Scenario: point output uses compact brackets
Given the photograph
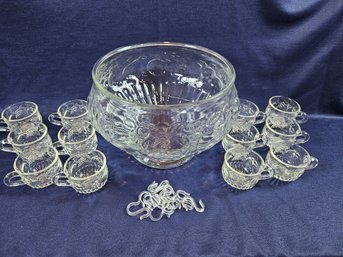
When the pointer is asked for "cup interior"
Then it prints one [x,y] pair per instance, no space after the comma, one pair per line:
[28,133]
[247,164]
[163,73]
[247,108]
[76,134]
[294,156]
[73,108]
[288,127]
[85,166]
[284,104]
[38,163]
[19,111]
[244,136]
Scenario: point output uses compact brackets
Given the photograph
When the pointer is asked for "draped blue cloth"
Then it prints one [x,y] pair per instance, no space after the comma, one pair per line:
[291,48]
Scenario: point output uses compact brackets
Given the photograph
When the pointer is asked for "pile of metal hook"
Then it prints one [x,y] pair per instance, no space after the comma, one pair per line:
[163,198]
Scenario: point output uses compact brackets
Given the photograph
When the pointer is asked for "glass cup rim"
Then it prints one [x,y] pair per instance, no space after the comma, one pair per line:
[279,110]
[244,142]
[268,120]
[227,86]
[104,160]
[78,142]
[253,104]
[240,173]
[303,166]
[21,119]
[15,166]
[73,117]
[33,142]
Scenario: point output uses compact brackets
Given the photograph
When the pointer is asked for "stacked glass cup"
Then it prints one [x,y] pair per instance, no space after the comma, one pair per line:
[85,170]
[286,160]
[243,167]
[37,162]
[283,134]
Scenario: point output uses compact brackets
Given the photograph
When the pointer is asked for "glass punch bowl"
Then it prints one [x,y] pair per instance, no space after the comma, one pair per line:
[164,102]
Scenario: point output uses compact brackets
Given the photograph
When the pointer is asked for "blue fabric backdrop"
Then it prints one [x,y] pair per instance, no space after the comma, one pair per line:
[292,48]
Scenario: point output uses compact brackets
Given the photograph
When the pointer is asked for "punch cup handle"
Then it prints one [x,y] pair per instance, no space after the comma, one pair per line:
[303,137]
[260,117]
[13,179]
[61,180]
[59,147]
[3,126]
[54,118]
[301,117]
[314,163]
[267,173]
[6,146]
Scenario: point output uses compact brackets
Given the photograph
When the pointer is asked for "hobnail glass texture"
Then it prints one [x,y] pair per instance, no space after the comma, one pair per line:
[163,103]
[290,163]
[38,173]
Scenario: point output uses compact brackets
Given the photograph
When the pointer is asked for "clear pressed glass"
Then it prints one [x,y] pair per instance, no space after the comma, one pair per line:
[17,114]
[248,115]
[291,162]
[163,102]
[38,173]
[86,173]
[30,141]
[243,171]
[248,138]
[285,134]
[281,109]
[75,140]
[70,113]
